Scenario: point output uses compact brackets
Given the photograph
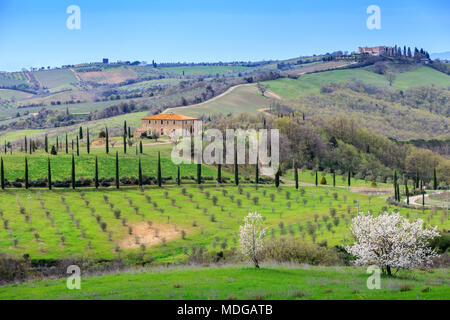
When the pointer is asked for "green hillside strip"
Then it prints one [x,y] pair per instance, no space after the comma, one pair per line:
[56,78]
[13,94]
[240,99]
[238,282]
[311,83]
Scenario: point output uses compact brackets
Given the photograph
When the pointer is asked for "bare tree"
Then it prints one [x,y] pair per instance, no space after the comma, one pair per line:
[390,77]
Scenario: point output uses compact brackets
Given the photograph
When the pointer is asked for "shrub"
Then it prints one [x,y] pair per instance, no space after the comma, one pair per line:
[293,251]
[323,181]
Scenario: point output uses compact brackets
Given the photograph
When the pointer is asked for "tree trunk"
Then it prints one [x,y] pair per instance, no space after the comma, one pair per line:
[388,270]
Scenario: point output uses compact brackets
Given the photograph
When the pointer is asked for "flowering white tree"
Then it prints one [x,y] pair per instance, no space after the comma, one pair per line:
[252,237]
[391,241]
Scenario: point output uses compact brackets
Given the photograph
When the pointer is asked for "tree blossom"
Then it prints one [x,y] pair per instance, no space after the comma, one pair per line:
[391,241]
[252,237]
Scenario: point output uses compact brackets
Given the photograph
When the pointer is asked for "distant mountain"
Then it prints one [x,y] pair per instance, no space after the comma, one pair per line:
[441,55]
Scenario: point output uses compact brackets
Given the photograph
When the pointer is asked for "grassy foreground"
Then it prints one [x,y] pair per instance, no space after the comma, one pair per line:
[239,282]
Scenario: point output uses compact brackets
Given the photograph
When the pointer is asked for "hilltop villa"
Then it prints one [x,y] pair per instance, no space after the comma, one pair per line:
[165,124]
[375,51]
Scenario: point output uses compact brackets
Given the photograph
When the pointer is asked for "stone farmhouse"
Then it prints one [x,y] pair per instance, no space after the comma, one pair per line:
[165,124]
[375,51]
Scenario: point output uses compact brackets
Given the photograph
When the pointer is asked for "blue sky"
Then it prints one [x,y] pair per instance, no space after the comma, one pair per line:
[34,33]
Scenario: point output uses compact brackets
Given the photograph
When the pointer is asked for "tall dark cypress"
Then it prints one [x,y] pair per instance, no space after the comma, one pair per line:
[159,170]
[219,173]
[88,142]
[26,145]
[317,178]
[46,143]
[199,173]
[117,171]
[49,174]
[27,184]
[349,178]
[67,144]
[57,143]
[2,174]
[277,178]
[257,173]
[73,146]
[334,178]
[6,147]
[417,180]
[296,175]
[107,140]
[96,173]
[140,173]
[81,133]
[407,192]
[435,183]
[236,169]
[125,137]
[78,146]
[74,183]
[141,147]
[179,176]
[395,186]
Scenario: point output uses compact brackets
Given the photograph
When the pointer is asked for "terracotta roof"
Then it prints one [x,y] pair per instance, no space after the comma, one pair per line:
[169,116]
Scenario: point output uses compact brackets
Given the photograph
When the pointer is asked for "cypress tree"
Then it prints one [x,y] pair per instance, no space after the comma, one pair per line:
[81,133]
[78,146]
[107,141]
[57,143]
[67,144]
[46,143]
[74,183]
[49,174]
[117,171]
[435,184]
[423,198]
[407,192]
[417,180]
[129,133]
[27,185]
[73,147]
[140,173]
[2,174]
[26,145]
[277,178]
[317,179]
[349,178]
[236,169]
[219,173]
[179,176]
[199,173]
[88,142]
[136,150]
[96,173]
[5,148]
[257,173]
[125,137]
[159,170]
[141,147]
[296,175]
[334,178]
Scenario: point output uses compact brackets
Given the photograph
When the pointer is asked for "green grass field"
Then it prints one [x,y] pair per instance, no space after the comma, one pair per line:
[52,79]
[311,83]
[85,163]
[242,99]
[239,282]
[14,94]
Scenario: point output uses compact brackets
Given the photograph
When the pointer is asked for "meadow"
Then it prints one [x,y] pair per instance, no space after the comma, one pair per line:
[56,79]
[311,83]
[242,99]
[272,282]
